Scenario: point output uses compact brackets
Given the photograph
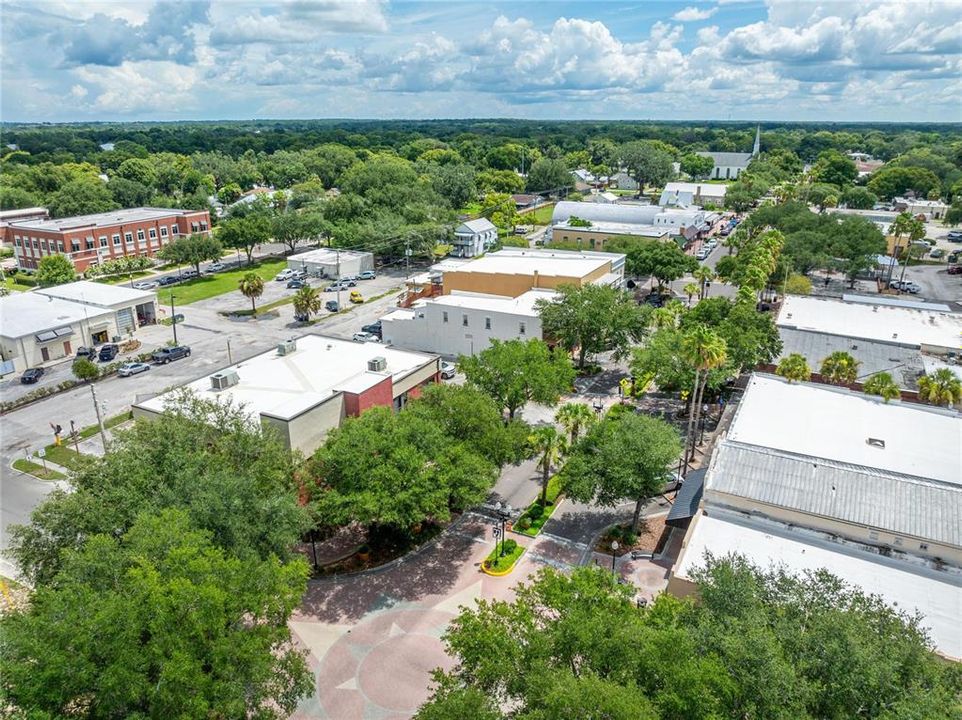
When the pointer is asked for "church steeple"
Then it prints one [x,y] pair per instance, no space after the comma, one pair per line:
[758,141]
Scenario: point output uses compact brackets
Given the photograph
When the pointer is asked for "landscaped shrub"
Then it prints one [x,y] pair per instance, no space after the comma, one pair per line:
[509,546]
[524,524]
[536,511]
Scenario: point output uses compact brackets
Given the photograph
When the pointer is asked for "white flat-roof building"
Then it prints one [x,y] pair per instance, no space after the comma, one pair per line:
[869,490]
[331,263]
[932,209]
[684,194]
[930,330]
[49,324]
[464,323]
[306,387]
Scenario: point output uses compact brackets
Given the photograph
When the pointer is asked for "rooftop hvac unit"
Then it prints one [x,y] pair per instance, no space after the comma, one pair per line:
[287,347]
[377,364]
[224,380]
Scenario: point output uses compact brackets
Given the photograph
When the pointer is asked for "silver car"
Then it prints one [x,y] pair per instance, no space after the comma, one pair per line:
[366,337]
[132,368]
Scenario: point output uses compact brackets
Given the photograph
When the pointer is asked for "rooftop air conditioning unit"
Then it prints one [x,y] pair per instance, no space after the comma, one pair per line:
[224,380]
[377,364]
[287,347]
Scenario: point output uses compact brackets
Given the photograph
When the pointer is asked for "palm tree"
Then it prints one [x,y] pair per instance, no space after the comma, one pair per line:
[574,417]
[794,368]
[904,225]
[252,286]
[942,387]
[705,350]
[690,290]
[550,444]
[883,385]
[839,368]
[306,303]
[704,275]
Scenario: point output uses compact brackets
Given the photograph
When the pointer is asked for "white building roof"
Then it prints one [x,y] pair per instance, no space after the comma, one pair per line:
[524,304]
[285,386]
[896,301]
[30,313]
[113,217]
[884,323]
[936,594]
[833,423]
[604,212]
[613,228]
[99,294]
[704,189]
[475,226]
[519,261]
[327,256]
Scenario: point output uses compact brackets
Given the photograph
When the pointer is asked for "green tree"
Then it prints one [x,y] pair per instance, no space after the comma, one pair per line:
[515,372]
[500,209]
[575,417]
[664,261]
[192,250]
[251,287]
[158,623]
[835,169]
[14,198]
[548,174]
[230,193]
[697,166]
[293,228]
[624,457]
[942,387]
[839,368]
[704,350]
[906,226]
[396,469]
[690,289]
[742,194]
[500,181]
[883,385]
[245,233]
[859,198]
[82,196]
[794,368]
[855,243]
[647,162]
[456,183]
[307,302]
[55,270]
[592,319]
[549,447]
[704,275]
[891,181]
[798,285]
[233,478]
[84,370]
[139,171]
[129,193]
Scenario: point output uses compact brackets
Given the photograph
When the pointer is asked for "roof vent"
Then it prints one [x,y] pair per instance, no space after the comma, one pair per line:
[876,442]
[287,347]
[377,364]
[223,380]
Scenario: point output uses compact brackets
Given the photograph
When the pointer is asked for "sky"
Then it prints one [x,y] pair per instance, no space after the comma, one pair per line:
[806,60]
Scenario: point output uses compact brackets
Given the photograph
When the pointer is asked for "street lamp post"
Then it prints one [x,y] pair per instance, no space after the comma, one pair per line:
[614,550]
[504,513]
[173,318]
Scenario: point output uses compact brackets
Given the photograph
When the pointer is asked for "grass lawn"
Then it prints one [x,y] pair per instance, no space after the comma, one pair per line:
[498,563]
[539,216]
[121,279]
[66,457]
[11,284]
[531,513]
[36,469]
[210,286]
[473,208]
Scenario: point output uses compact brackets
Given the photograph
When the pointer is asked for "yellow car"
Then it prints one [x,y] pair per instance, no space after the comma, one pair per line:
[356,297]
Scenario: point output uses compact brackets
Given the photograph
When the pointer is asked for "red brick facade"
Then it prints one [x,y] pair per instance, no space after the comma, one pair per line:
[94,242]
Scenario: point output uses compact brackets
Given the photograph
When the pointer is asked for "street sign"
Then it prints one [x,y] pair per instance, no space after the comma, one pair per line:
[42,452]
[178,318]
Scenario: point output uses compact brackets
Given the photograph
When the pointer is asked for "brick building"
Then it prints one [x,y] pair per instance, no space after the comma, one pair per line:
[92,239]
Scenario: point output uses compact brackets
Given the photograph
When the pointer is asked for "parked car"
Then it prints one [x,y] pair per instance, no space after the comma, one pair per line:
[374,328]
[132,368]
[165,355]
[187,274]
[347,281]
[216,267]
[655,299]
[356,297]
[367,275]
[448,370]
[340,285]
[284,275]
[703,253]
[108,352]
[146,285]
[296,284]
[954,236]
[955,270]
[954,256]
[168,280]
[87,352]
[366,337]
[31,376]
[937,253]
[911,287]
[332,306]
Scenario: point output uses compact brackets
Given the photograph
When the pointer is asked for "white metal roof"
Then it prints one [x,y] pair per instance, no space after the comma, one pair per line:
[518,261]
[475,226]
[884,323]
[524,304]
[284,386]
[112,217]
[904,302]
[908,586]
[704,189]
[604,212]
[613,228]
[327,255]
[728,159]
[833,423]
[100,294]
[29,313]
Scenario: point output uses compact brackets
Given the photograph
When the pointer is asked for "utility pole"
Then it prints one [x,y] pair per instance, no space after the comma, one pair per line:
[100,418]
[173,318]
[337,264]
[407,257]
[229,360]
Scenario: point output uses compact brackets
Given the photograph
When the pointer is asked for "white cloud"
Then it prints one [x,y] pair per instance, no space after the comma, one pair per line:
[693,14]
[153,87]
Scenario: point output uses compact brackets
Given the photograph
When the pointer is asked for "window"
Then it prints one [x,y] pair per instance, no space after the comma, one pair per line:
[487,323]
[16,241]
[75,245]
[141,236]
[60,245]
[163,231]
[36,244]
[521,328]
[89,244]
[174,230]
[103,241]
[152,233]
[194,227]
[923,546]
[444,316]
[464,320]
[117,240]
[203,226]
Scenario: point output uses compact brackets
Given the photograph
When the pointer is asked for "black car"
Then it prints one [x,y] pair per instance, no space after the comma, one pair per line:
[165,355]
[332,305]
[168,280]
[374,328]
[655,299]
[87,352]
[31,376]
[108,352]
[954,236]
[296,284]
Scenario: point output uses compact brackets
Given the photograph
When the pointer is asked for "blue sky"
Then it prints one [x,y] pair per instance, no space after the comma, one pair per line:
[818,60]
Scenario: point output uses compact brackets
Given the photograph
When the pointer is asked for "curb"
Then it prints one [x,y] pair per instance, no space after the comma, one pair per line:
[502,573]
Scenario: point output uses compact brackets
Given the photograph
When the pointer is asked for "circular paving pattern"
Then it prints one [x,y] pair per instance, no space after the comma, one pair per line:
[392,674]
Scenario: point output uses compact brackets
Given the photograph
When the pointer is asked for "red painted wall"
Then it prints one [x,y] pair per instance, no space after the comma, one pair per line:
[380,394]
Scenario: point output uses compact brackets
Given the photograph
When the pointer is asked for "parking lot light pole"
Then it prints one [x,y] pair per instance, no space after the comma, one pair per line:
[173,319]
[504,512]
[614,549]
